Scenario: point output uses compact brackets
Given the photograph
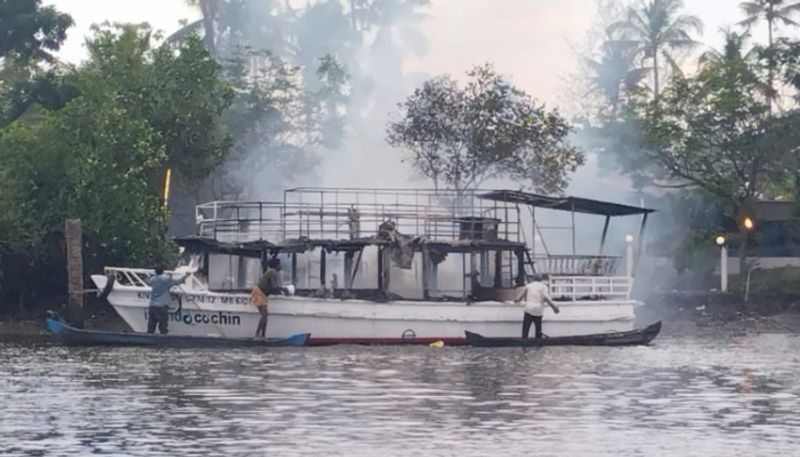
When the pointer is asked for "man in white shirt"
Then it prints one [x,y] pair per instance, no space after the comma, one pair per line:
[534,296]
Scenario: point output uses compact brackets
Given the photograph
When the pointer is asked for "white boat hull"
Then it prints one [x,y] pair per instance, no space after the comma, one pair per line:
[204,313]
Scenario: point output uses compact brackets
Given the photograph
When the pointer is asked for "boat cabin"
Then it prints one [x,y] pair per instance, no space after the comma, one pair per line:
[384,244]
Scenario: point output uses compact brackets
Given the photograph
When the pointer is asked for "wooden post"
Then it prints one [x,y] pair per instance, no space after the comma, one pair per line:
[74,239]
[322,265]
[425,272]
[520,280]
[294,269]
[380,268]
[348,268]
[498,268]
[603,237]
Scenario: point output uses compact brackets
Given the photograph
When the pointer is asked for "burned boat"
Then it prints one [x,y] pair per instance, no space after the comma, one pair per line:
[387,266]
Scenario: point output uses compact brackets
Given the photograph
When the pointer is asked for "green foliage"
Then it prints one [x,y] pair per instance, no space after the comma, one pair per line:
[696,253]
[89,160]
[177,88]
[39,90]
[772,284]
[460,137]
[331,55]
[715,131]
[276,123]
[771,11]
[658,30]
[29,34]
[29,31]
[99,154]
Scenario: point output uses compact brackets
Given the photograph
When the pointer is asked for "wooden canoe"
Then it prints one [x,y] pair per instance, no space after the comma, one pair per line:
[632,338]
[71,336]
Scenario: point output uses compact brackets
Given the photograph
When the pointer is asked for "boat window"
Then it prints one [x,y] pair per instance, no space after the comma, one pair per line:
[231,272]
[193,260]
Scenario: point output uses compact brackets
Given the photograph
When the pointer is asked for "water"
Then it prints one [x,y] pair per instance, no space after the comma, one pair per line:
[730,393]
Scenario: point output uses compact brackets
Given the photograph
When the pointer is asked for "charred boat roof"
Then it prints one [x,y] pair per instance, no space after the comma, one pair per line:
[256,247]
[576,204]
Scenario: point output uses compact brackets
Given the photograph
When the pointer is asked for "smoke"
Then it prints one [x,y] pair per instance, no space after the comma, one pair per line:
[364,159]
[372,47]
[340,142]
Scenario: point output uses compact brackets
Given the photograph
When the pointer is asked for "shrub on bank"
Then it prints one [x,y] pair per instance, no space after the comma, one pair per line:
[780,284]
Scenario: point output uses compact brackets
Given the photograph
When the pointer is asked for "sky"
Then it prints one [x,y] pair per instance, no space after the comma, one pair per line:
[530,41]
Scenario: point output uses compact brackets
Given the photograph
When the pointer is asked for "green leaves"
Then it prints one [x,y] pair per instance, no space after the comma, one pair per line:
[99,154]
[29,32]
[459,137]
[715,131]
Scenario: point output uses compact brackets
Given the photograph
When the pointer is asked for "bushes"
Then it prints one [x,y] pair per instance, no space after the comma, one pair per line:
[101,157]
[774,284]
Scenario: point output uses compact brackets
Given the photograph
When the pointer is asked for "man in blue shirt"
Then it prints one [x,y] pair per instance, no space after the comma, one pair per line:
[157,313]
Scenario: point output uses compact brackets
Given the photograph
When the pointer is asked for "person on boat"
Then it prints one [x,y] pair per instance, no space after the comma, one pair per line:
[157,313]
[534,296]
[269,284]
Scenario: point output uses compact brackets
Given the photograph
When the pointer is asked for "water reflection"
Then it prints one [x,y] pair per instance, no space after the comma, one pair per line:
[719,395]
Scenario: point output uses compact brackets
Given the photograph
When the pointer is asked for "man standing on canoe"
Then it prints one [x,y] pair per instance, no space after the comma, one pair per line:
[157,313]
[534,296]
[270,283]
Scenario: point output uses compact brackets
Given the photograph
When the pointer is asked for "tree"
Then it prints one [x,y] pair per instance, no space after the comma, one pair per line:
[715,132]
[101,156]
[733,50]
[367,39]
[276,123]
[89,160]
[615,72]
[770,11]
[658,30]
[177,88]
[29,31]
[459,137]
[29,75]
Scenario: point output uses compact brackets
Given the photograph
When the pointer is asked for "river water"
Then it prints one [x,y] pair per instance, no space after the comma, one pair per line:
[721,393]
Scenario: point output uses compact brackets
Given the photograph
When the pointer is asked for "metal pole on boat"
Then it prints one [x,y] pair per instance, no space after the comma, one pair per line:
[573,228]
[723,263]
[603,237]
[629,255]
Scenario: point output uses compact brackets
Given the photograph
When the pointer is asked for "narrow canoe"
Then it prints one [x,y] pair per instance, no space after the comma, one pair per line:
[632,338]
[72,336]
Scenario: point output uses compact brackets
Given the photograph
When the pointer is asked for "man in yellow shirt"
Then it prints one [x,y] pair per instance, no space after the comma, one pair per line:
[270,283]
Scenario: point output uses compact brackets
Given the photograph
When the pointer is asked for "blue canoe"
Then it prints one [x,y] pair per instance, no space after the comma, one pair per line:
[72,336]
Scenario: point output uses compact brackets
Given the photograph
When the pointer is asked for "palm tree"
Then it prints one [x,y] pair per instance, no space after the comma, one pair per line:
[771,11]
[657,30]
[732,50]
[210,12]
[615,72]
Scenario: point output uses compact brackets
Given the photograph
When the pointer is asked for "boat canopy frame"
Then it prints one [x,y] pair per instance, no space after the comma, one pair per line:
[573,205]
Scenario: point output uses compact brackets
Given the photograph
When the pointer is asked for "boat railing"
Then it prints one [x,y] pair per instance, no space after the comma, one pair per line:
[590,287]
[137,277]
[594,265]
[276,222]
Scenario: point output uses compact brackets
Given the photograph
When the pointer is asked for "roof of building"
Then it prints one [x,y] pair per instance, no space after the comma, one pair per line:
[576,204]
